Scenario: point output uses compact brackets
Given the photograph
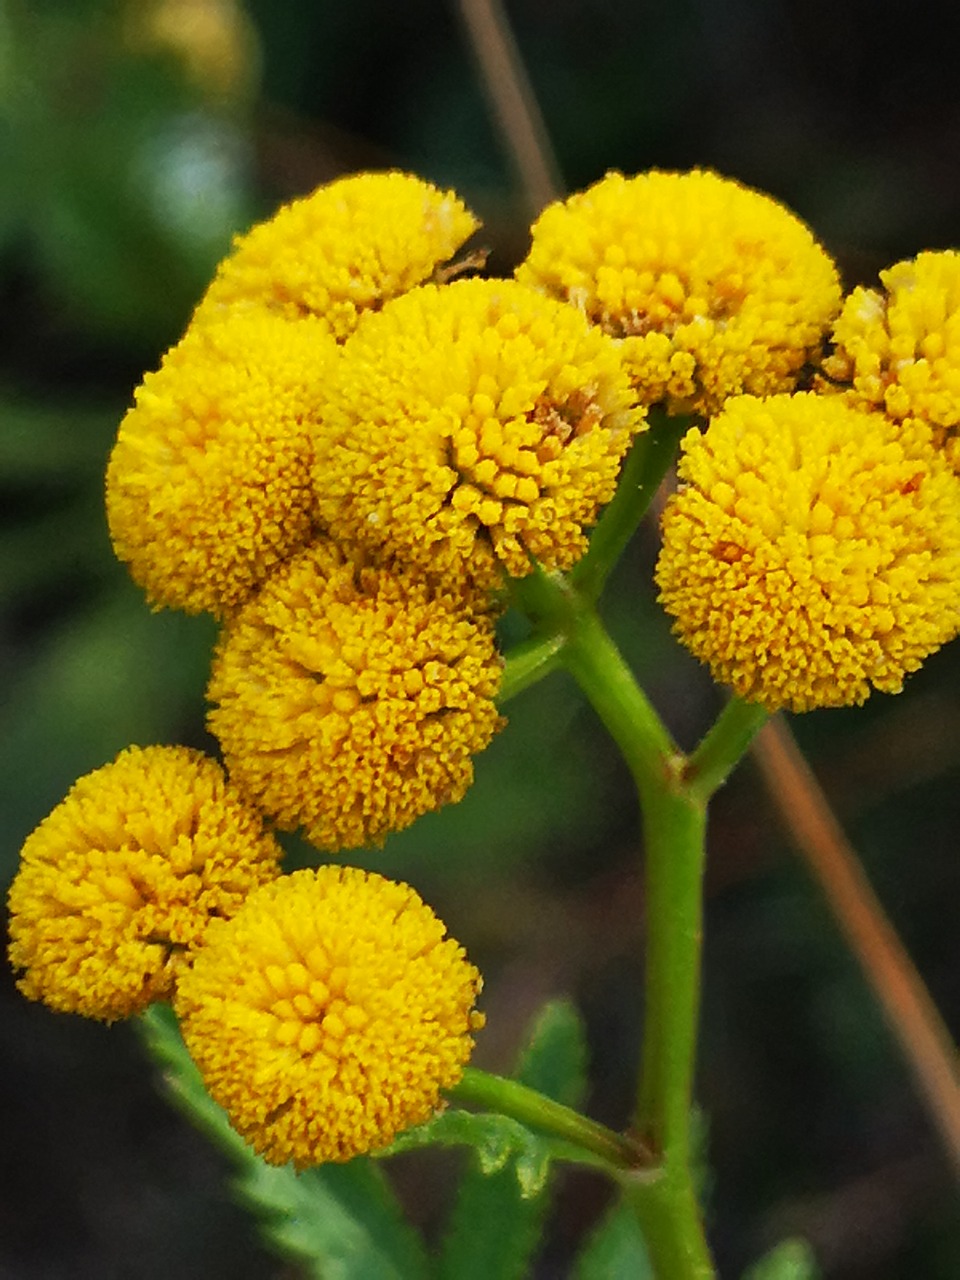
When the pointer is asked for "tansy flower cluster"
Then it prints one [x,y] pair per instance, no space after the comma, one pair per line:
[349,699]
[116,887]
[328,1014]
[813,550]
[472,428]
[714,289]
[326,1009]
[347,459]
[898,349]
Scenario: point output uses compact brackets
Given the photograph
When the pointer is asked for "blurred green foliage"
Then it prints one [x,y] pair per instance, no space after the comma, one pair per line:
[127,162]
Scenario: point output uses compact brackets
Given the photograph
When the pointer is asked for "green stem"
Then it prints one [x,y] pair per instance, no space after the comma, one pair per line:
[674,822]
[598,667]
[511,1098]
[722,747]
[528,662]
[645,467]
[674,828]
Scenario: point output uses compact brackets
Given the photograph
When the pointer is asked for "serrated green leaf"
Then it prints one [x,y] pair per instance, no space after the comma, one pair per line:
[790,1260]
[615,1250]
[555,1059]
[506,1184]
[495,1140]
[340,1222]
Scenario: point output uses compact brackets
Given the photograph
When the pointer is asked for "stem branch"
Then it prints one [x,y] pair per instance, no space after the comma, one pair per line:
[511,1098]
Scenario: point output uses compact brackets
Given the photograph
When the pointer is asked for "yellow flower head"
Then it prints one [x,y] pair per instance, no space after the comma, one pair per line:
[343,250]
[900,349]
[471,426]
[117,885]
[209,483]
[813,551]
[349,701]
[715,288]
[328,1014]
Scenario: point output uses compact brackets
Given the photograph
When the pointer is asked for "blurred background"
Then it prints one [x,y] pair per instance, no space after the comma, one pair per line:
[135,139]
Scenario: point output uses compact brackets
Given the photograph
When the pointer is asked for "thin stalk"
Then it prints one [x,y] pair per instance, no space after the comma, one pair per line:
[528,662]
[911,1013]
[709,766]
[646,465]
[598,667]
[674,823]
[511,1098]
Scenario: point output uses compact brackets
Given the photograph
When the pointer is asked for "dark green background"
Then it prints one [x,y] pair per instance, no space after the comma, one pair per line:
[121,182]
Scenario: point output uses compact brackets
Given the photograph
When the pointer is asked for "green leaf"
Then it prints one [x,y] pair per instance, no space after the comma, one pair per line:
[790,1260]
[339,1221]
[616,1250]
[495,1140]
[555,1059]
[497,1219]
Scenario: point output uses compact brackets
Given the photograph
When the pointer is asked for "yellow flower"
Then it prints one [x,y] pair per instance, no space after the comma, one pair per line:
[813,551]
[349,701]
[716,289]
[472,426]
[117,885]
[328,1014]
[900,349]
[209,483]
[343,250]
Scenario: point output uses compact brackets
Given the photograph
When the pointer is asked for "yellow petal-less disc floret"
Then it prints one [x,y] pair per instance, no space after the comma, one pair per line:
[899,349]
[813,550]
[716,289]
[328,1014]
[470,427]
[343,250]
[209,483]
[117,885]
[350,701]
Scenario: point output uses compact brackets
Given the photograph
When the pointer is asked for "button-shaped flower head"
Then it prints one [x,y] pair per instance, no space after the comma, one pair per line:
[898,349]
[117,885]
[472,426]
[209,483]
[328,1014]
[342,250]
[716,289]
[350,700]
[812,551]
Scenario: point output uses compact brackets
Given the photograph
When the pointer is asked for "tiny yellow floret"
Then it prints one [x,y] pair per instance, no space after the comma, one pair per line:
[209,482]
[350,700]
[714,288]
[343,250]
[812,551]
[117,885]
[899,349]
[471,427]
[328,1014]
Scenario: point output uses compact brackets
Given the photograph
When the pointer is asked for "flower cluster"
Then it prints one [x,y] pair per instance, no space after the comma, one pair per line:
[349,700]
[328,1014]
[326,1009]
[898,349]
[347,459]
[812,551]
[116,887]
[471,429]
[714,289]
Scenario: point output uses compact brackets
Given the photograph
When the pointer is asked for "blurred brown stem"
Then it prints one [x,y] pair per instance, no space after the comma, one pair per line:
[518,116]
[914,1018]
